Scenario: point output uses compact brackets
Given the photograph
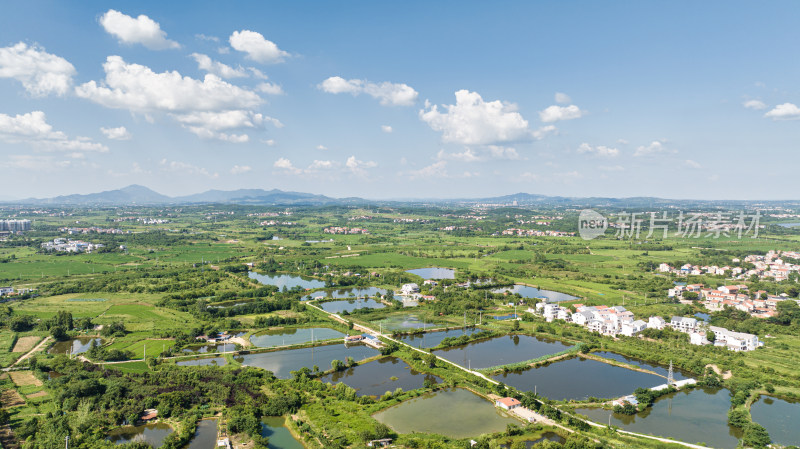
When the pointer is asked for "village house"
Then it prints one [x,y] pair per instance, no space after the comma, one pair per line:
[507,403]
[409,289]
[683,324]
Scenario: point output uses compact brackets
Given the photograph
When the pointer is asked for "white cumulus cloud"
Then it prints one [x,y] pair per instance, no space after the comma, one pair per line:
[141,30]
[786,111]
[654,147]
[119,133]
[468,155]
[256,47]
[562,98]
[186,168]
[387,129]
[389,94]
[758,105]
[358,167]
[239,169]
[205,63]
[473,121]
[286,166]
[206,107]
[270,89]
[32,129]
[500,152]
[600,150]
[555,113]
[41,73]
[692,164]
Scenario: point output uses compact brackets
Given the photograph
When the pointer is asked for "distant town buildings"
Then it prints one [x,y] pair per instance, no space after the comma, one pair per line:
[344,230]
[93,229]
[15,225]
[71,246]
[536,233]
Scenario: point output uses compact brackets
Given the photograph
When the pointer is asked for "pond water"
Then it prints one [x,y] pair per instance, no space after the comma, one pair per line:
[378,377]
[547,436]
[202,349]
[209,361]
[431,339]
[282,363]
[77,345]
[350,305]
[533,292]
[274,428]
[152,434]
[286,280]
[579,379]
[345,293]
[434,273]
[677,373]
[455,413]
[293,336]
[779,417]
[403,322]
[205,437]
[500,351]
[699,415]
[702,316]
[789,225]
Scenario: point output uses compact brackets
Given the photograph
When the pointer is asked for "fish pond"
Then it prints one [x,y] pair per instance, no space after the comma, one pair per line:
[547,436]
[208,361]
[345,293]
[286,280]
[455,413]
[282,363]
[434,273]
[698,415]
[152,434]
[378,377]
[210,347]
[432,339]
[205,437]
[293,336]
[77,345]
[350,305]
[779,417]
[578,378]
[677,373]
[274,428]
[501,351]
[533,292]
[403,322]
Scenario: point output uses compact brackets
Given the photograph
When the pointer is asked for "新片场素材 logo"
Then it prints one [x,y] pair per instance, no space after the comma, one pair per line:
[591,224]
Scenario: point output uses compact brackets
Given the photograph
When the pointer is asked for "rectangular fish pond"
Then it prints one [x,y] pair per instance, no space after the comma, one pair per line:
[455,413]
[378,377]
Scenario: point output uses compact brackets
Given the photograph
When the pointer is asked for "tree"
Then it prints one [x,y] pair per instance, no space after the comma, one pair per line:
[337,365]
[711,336]
[515,326]
[59,333]
[755,435]
[430,360]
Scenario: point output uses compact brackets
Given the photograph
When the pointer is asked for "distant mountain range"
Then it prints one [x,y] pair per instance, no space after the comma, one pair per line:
[140,195]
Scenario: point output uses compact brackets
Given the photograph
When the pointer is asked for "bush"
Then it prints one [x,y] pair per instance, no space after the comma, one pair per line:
[755,435]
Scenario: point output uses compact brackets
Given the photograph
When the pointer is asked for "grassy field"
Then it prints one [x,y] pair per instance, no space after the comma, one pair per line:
[136,343]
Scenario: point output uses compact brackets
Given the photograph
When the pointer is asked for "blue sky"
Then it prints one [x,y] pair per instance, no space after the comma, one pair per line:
[402,99]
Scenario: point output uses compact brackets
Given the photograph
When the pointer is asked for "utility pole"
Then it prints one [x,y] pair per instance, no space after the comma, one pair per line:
[67,442]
